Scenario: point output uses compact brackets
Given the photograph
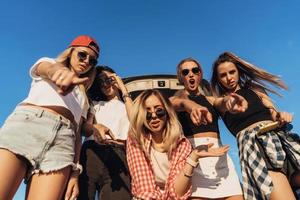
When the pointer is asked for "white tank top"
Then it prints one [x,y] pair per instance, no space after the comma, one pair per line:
[161,167]
[43,93]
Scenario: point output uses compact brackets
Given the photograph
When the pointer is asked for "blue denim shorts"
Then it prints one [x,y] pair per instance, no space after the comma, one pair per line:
[45,139]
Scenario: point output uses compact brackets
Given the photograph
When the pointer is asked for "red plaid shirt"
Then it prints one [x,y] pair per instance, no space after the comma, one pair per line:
[143,183]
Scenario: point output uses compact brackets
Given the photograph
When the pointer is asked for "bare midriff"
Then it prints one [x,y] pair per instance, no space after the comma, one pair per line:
[205,134]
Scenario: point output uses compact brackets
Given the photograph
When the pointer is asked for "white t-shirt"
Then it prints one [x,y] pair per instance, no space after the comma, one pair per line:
[43,93]
[113,115]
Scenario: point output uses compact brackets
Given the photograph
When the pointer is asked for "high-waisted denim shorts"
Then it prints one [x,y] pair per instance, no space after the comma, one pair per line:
[43,138]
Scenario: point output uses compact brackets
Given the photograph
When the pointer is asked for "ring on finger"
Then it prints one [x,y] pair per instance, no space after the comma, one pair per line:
[61,78]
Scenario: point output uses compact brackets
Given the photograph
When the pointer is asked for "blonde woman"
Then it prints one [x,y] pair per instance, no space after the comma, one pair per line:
[269,153]
[39,141]
[160,158]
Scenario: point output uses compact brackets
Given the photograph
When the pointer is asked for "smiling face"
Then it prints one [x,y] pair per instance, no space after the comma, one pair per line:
[82,59]
[190,75]
[155,108]
[228,76]
[107,84]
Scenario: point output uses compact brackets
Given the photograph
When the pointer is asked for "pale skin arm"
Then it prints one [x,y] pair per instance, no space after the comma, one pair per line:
[73,188]
[182,182]
[232,103]
[281,117]
[63,77]
[127,100]
[199,114]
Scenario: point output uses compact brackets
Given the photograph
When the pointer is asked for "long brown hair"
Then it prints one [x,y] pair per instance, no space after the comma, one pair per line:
[249,75]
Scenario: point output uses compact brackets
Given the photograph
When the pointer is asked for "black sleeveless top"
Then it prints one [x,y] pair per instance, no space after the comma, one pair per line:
[189,128]
[256,112]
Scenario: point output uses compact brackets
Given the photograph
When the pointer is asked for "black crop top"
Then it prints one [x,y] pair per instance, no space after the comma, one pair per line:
[189,128]
[256,112]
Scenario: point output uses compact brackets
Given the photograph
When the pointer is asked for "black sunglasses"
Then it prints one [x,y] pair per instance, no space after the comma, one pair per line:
[82,55]
[105,81]
[159,114]
[195,70]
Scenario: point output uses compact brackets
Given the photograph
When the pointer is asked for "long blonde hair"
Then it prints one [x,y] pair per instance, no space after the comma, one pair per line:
[249,75]
[64,57]
[139,126]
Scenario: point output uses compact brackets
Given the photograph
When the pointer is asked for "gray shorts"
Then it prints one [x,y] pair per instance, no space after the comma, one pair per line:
[43,138]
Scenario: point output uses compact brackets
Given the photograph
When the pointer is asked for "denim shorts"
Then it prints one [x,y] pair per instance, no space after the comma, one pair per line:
[46,140]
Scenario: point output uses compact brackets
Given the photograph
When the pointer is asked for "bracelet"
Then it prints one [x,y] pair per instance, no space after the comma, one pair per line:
[77,167]
[187,175]
[126,95]
[192,162]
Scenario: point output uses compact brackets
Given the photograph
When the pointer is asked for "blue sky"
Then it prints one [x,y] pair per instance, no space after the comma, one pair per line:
[149,37]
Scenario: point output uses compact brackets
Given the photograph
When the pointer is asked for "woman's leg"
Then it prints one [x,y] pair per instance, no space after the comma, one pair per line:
[116,174]
[12,171]
[48,186]
[90,179]
[281,187]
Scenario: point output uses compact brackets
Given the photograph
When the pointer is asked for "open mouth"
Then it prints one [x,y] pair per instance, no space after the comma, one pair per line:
[192,81]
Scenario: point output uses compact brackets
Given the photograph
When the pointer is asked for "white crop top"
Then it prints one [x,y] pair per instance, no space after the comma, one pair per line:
[43,93]
[113,115]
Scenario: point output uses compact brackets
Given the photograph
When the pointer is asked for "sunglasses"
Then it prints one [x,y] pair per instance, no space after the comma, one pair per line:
[105,81]
[160,113]
[195,70]
[82,55]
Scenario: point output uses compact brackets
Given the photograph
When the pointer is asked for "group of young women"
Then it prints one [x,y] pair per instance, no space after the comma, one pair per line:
[152,147]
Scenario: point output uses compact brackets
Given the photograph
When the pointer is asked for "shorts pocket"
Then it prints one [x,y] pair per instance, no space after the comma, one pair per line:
[21,116]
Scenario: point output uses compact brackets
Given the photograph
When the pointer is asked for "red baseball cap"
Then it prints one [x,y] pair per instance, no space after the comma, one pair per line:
[86,41]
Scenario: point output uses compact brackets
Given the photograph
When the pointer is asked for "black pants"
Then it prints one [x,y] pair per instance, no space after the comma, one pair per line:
[105,171]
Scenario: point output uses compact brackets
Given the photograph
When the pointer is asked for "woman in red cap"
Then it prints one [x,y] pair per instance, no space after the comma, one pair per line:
[39,141]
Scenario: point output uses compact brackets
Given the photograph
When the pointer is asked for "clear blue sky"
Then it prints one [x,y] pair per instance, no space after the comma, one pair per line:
[149,37]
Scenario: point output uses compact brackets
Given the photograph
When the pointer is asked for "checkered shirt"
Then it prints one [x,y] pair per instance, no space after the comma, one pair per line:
[257,184]
[142,177]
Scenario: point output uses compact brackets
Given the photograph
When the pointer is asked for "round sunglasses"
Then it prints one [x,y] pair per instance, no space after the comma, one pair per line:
[160,113]
[195,70]
[82,55]
[105,81]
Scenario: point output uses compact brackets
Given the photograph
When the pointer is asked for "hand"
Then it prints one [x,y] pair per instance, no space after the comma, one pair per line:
[72,188]
[65,79]
[206,150]
[102,134]
[119,83]
[235,103]
[200,115]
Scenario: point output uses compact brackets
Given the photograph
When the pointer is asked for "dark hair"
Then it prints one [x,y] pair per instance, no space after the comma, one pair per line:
[95,93]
